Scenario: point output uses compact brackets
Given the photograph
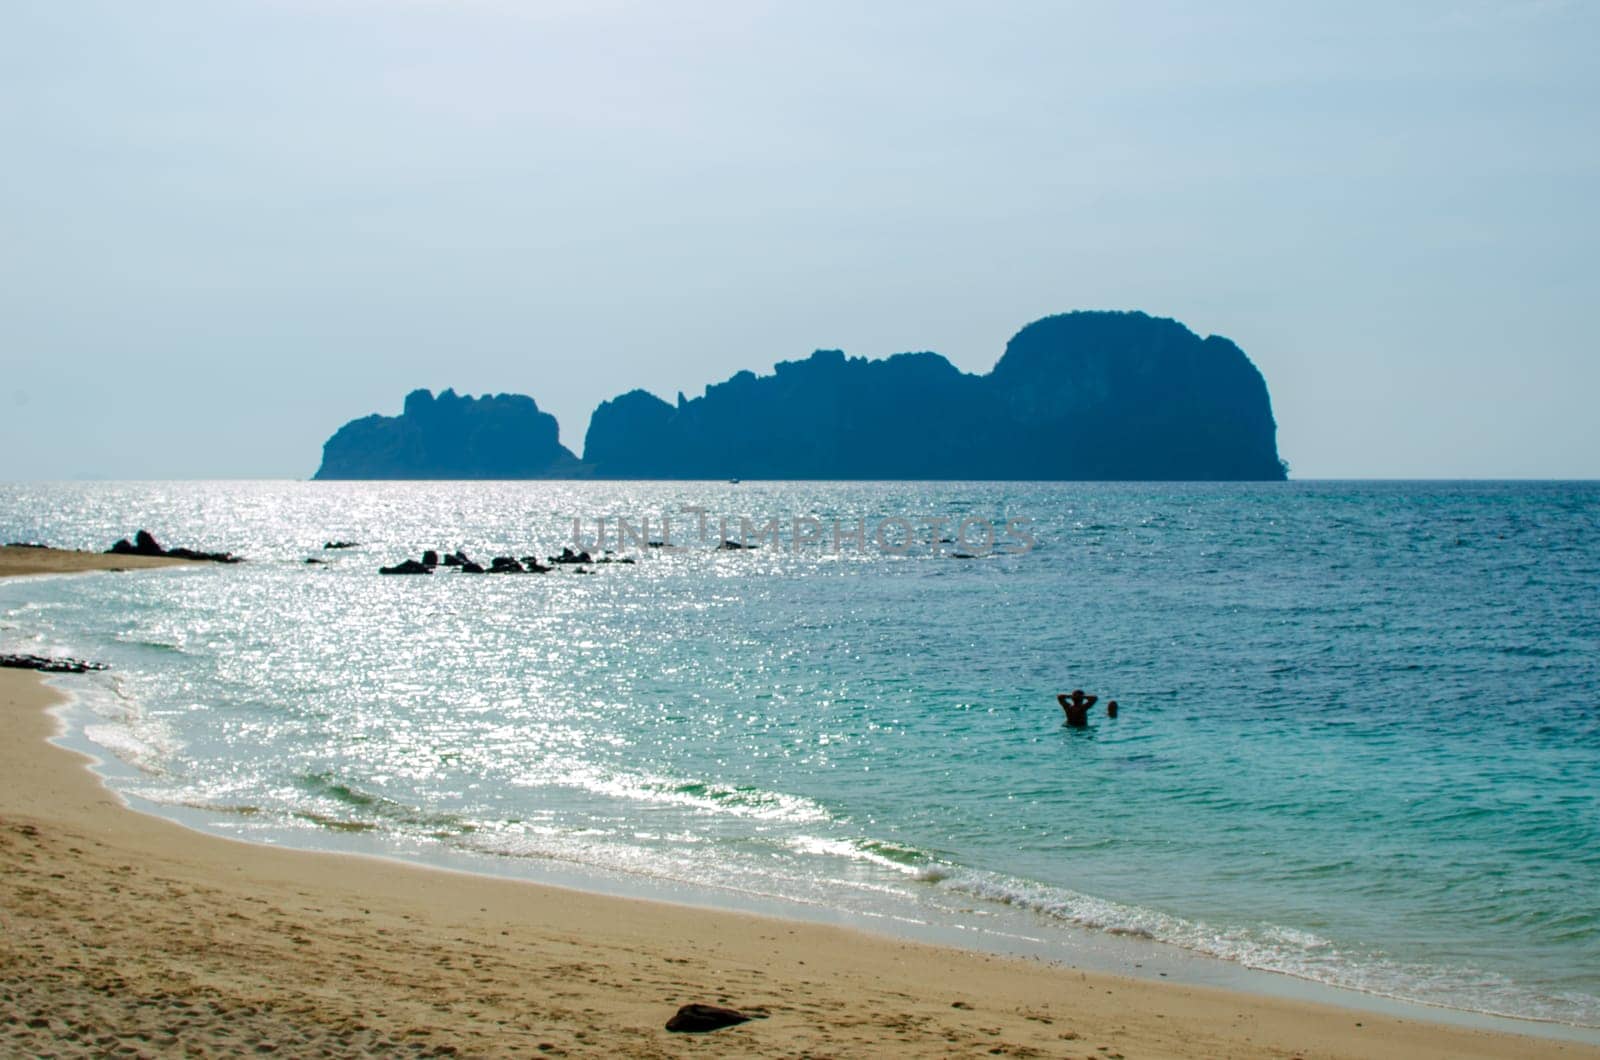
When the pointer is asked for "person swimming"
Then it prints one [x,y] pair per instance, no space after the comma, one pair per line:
[1076,707]
[1111,709]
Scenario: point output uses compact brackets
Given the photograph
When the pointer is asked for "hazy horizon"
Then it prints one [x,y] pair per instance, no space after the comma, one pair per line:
[231,229]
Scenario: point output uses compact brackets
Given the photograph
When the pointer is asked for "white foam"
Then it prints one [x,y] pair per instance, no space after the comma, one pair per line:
[707,798]
[1289,951]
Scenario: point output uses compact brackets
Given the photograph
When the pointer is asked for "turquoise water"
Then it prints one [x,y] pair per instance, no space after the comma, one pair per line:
[1359,739]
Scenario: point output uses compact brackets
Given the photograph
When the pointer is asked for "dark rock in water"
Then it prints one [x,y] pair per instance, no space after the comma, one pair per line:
[962,555]
[145,544]
[208,557]
[503,436]
[315,560]
[533,566]
[698,1019]
[569,556]
[45,664]
[505,565]
[734,546]
[453,559]
[410,566]
[340,544]
[430,558]
[468,567]
[25,544]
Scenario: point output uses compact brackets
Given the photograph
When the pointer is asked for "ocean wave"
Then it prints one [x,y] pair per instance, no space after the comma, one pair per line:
[337,824]
[741,800]
[114,721]
[163,646]
[354,809]
[1289,951]
[122,742]
[906,860]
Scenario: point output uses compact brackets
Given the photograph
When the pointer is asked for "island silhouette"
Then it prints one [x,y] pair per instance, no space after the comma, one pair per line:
[1088,395]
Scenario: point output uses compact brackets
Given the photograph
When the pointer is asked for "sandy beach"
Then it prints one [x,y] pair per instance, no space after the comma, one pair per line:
[125,934]
[18,560]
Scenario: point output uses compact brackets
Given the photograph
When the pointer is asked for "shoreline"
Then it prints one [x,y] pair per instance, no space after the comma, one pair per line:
[1097,953]
[120,924]
[145,923]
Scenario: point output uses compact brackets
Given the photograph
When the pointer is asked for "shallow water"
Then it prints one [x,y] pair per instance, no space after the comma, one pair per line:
[1359,743]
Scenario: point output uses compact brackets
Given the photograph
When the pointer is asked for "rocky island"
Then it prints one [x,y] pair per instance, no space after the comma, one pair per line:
[1078,396]
[451,436]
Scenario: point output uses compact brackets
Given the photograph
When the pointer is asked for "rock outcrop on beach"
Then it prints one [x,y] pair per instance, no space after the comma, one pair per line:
[48,664]
[1086,395]
[500,436]
[145,544]
[1089,395]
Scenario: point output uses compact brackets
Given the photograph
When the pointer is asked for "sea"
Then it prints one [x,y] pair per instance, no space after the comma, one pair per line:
[1358,742]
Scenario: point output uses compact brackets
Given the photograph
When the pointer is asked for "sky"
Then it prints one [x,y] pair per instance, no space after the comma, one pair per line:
[227,228]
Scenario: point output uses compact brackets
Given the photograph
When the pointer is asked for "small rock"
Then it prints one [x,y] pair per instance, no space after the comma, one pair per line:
[410,566]
[209,557]
[698,1019]
[569,556]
